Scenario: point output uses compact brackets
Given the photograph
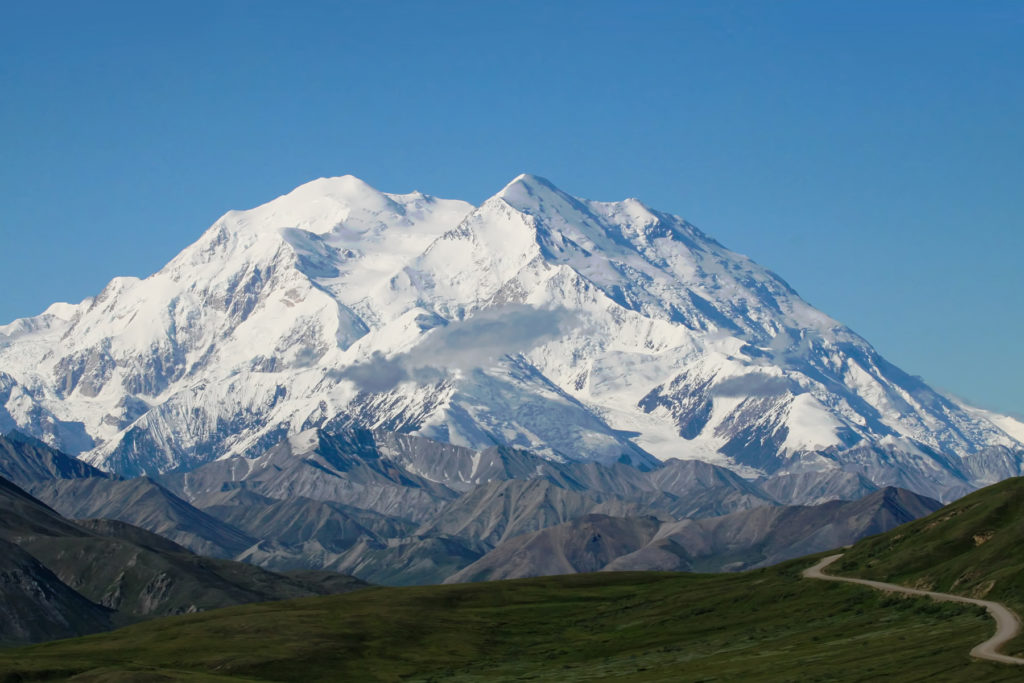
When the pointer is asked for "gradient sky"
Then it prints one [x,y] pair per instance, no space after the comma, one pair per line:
[871,153]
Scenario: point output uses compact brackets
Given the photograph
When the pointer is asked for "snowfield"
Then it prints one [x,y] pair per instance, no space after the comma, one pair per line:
[580,330]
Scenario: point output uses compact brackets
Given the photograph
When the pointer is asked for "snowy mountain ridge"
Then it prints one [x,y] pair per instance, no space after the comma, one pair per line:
[576,329]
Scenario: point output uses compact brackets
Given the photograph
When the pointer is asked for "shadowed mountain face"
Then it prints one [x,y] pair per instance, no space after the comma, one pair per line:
[80,491]
[27,460]
[741,540]
[35,605]
[59,578]
[144,503]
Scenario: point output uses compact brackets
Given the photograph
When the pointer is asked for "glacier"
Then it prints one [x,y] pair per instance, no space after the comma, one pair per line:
[575,329]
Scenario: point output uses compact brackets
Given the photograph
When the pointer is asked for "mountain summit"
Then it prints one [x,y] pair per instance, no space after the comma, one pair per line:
[580,330]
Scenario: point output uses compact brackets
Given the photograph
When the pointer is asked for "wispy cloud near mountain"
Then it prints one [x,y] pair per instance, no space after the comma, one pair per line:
[463,345]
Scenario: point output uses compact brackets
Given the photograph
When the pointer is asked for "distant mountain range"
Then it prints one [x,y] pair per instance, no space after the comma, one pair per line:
[351,502]
[579,331]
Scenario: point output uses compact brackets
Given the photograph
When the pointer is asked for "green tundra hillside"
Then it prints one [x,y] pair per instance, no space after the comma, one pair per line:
[766,625]
[970,547]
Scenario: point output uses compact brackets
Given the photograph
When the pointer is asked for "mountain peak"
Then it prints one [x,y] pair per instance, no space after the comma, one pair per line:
[324,200]
[526,186]
[344,186]
[323,206]
[676,346]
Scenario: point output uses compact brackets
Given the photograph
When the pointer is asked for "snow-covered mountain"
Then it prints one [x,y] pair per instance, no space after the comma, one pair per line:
[579,330]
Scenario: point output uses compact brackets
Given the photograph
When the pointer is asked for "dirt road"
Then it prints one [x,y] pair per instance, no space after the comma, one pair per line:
[1007,623]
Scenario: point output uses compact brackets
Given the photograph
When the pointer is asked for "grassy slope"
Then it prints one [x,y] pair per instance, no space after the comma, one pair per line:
[970,547]
[762,625]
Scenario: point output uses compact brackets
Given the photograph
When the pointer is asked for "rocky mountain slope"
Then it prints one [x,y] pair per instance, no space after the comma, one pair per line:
[741,540]
[35,605]
[59,578]
[349,502]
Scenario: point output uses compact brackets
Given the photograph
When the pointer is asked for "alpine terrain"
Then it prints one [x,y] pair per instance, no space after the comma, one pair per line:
[577,330]
[351,502]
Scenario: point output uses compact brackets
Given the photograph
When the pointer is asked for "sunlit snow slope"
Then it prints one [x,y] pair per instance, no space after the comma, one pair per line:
[577,329]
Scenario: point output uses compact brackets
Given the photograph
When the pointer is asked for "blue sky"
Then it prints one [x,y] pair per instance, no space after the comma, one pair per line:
[871,153]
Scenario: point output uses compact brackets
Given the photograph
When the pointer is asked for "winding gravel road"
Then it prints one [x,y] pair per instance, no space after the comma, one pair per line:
[1007,623]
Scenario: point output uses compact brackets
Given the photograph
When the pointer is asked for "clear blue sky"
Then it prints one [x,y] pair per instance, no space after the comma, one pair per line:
[871,153]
